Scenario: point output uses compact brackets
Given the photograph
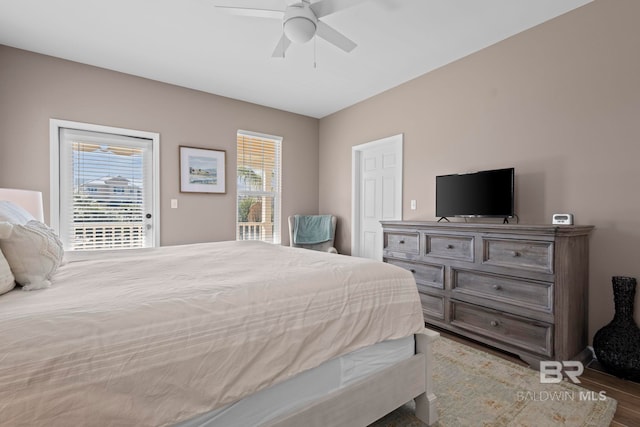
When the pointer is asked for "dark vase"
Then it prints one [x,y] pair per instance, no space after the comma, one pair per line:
[617,345]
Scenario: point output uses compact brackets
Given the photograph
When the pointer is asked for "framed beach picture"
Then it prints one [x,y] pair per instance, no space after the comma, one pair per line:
[202,170]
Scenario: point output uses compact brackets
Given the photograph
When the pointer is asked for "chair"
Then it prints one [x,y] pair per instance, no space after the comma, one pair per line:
[326,246]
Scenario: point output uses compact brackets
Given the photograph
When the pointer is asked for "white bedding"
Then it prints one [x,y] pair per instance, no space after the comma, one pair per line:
[155,337]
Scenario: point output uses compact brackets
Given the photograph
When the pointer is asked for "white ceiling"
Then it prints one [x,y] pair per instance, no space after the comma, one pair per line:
[193,44]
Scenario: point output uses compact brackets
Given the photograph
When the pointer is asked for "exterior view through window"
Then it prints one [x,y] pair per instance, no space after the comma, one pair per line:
[258,183]
[105,191]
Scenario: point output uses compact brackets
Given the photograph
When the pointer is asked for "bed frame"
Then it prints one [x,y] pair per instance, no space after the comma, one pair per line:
[373,397]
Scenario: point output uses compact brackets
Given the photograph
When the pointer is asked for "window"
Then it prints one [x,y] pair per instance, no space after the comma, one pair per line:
[104,187]
[258,183]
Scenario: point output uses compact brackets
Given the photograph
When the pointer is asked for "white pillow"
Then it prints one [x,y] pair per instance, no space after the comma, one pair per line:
[7,281]
[33,251]
[13,213]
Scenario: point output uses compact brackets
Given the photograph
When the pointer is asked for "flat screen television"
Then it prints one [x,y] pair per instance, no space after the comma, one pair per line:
[481,194]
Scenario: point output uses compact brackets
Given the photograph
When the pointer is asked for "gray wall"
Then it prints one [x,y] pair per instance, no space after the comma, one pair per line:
[35,88]
[560,103]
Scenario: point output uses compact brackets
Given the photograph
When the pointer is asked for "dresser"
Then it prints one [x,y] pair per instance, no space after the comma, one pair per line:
[519,288]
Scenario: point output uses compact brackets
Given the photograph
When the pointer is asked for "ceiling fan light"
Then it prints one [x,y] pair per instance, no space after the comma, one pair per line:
[299,29]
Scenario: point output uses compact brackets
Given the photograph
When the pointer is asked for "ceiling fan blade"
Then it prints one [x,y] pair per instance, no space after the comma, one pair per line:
[256,13]
[334,37]
[281,48]
[327,7]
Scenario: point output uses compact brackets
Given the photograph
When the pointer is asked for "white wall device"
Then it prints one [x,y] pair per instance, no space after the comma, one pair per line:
[562,219]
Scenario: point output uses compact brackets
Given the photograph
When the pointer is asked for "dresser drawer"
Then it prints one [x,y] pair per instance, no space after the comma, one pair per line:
[454,247]
[526,254]
[425,274]
[432,305]
[520,292]
[408,243]
[517,331]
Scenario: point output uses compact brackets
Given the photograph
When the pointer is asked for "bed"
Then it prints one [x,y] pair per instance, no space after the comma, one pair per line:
[204,334]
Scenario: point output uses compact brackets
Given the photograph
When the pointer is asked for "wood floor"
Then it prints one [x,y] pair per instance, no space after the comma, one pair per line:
[627,393]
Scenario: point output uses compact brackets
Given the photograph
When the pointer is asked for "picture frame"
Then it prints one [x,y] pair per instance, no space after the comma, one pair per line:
[202,170]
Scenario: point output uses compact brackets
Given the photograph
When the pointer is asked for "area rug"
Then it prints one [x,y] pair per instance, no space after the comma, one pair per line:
[475,388]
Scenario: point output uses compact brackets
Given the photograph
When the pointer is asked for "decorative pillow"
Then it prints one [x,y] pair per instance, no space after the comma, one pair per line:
[7,281]
[13,213]
[33,251]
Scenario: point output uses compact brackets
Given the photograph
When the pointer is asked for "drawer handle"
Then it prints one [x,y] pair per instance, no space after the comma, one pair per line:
[449,246]
[497,287]
[515,254]
[401,242]
[494,323]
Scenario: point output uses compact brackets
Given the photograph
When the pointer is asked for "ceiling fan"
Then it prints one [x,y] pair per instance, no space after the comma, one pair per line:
[301,21]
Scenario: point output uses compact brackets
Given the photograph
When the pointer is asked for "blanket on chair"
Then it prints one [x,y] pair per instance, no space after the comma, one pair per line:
[311,229]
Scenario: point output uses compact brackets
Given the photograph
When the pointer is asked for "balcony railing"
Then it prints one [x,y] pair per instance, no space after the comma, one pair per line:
[123,235]
[108,235]
[255,231]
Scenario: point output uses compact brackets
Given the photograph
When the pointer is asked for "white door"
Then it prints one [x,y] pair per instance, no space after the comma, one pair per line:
[104,186]
[377,193]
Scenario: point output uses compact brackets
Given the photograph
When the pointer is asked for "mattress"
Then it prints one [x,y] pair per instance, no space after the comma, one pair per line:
[154,337]
[272,402]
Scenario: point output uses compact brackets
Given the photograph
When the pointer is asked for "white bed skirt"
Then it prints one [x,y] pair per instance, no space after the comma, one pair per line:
[335,374]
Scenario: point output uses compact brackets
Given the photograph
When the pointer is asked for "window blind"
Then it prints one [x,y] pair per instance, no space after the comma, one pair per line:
[258,187]
[105,190]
